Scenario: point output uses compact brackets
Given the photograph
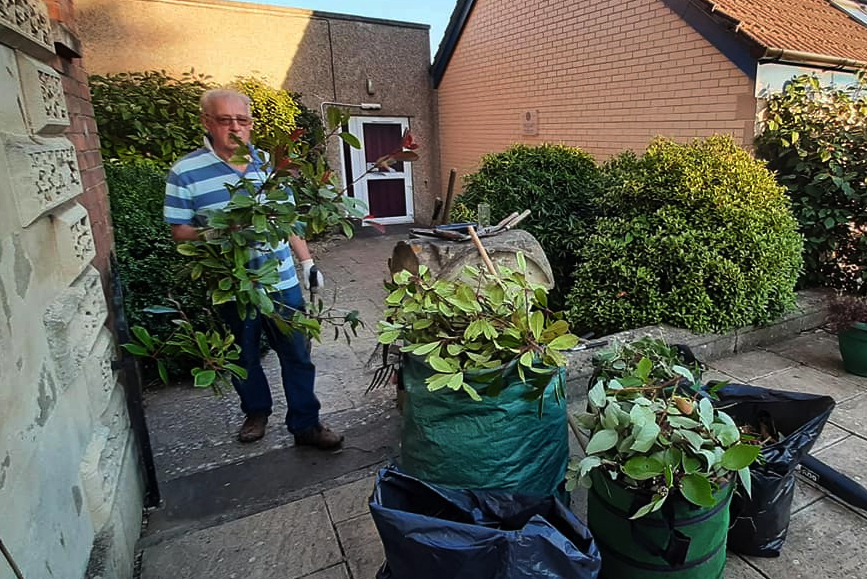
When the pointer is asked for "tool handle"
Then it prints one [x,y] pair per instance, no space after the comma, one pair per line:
[482,251]
[313,279]
[517,220]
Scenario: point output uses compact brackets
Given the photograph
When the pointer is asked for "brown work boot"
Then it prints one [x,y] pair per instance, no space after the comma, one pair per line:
[319,436]
[253,428]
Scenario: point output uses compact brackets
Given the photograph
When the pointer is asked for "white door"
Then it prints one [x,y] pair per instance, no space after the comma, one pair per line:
[388,194]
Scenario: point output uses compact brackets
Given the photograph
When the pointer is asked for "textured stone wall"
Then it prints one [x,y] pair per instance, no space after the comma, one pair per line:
[604,76]
[326,57]
[69,475]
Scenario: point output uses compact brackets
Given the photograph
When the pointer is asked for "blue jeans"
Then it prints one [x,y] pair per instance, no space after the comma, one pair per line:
[297,370]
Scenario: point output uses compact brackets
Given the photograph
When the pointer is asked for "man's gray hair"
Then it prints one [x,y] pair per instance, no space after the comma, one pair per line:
[216,94]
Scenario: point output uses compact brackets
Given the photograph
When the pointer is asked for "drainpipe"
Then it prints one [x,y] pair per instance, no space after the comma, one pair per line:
[131,381]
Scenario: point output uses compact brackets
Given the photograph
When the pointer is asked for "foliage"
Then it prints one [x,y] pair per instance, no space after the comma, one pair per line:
[845,310]
[467,329]
[557,182]
[816,140]
[148,115]
[698,236]
[621,359]
[148,260]
[260,215]
[649,430]
[274,110]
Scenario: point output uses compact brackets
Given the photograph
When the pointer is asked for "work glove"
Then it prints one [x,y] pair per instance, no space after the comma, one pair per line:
[308,266]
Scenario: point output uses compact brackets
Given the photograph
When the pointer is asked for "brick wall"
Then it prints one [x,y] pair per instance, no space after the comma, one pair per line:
[82,132]
[605,76]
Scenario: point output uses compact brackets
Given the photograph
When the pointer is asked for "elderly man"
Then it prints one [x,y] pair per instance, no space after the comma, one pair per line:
[197,183]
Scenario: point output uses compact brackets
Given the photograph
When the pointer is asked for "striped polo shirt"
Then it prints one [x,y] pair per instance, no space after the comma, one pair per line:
[196,185]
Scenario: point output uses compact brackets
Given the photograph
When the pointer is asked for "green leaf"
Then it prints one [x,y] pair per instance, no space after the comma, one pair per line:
[654,505]
[440,364]
[136,350]
[537,322]
[160,310]
[644,367]
[740,456]
[685,372]
[563,342]
[424,349]
[596,396]
[645,437]
[643,467]
[163,372]
[601,441]
[705,412]
[205,378]
[697,490]
[746,480]
[351,140]
[143,336]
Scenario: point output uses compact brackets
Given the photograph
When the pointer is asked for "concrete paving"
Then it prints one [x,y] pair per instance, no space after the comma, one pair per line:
[269,510]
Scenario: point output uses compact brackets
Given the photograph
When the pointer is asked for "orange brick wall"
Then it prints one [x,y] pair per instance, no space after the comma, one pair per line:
[605,76]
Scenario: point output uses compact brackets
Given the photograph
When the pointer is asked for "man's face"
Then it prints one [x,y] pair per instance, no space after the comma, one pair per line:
[226,117]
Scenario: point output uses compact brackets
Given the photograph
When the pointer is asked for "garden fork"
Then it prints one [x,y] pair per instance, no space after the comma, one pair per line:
[386,371]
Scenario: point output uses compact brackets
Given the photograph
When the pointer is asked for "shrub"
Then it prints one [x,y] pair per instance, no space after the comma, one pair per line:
[698,236]
[274,110]
[148,115]
[816,140]
[147,256]
[557,182]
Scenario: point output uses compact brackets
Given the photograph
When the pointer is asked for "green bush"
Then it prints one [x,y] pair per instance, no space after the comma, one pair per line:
[697,236]
[557,182]
[816,140]
[274,110]
[148,260]
[148,115]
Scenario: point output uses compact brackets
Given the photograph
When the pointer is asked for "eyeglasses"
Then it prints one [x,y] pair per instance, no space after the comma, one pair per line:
[227,121]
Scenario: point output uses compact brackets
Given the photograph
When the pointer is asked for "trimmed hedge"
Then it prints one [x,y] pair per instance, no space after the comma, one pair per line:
[698,236]
[149,263]
[557,182]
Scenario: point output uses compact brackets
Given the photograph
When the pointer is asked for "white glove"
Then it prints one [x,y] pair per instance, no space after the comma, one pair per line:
[307,265]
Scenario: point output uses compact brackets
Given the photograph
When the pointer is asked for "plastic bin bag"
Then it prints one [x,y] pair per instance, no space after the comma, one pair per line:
[430,532]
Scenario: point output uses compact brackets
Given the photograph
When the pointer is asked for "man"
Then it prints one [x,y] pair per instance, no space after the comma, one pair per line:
[196,184]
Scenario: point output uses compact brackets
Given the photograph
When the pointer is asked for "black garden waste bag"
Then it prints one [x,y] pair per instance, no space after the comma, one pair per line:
[760,522]
[430,532]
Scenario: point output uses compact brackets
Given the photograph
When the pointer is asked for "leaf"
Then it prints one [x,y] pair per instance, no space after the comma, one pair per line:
[136,350]
[652,506]
[563,342]
[596,396]
[350,140]
[690,464]
[705,412]
[644,367]
[440,364]
[643,467]
[601,441]
[205,378]
[685,372]
[160,310]
[645,438]
[537,322]
[163,372]
[740,456]
[745,476]
[693,438]
[143,336]
[424,349]
[697,490]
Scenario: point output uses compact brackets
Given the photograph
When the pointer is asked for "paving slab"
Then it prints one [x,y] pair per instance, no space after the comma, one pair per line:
[831,434]
[336,572]
[749,366]
[287,542]
[738,568]
[810,381]
[362,546]
[805,494]
[848,456]
[825,541]
[350,500]
[817,349]
[852,414]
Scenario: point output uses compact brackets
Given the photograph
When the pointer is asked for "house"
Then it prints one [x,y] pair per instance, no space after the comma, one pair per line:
[72,482]
[609,75]
[376,69]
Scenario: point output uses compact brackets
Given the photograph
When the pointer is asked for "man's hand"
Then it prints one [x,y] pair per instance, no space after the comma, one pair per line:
[307,266]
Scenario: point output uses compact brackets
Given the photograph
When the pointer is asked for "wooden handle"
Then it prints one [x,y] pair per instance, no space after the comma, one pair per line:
[482,251]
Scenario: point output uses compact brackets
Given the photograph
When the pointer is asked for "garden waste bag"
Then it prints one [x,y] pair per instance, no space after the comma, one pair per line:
[498,443]
[430,532]
[760,522]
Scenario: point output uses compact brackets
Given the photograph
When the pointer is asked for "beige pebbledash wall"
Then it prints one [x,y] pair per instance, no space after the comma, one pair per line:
[605,76]
[70,485]
[326,57]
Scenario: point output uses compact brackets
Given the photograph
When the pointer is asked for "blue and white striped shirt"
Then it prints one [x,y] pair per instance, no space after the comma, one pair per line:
[197,184]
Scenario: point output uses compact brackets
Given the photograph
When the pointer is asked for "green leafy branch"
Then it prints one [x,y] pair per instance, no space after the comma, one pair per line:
[468,329]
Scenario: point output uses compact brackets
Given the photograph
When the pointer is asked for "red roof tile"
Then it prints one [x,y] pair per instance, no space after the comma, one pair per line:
[814,26]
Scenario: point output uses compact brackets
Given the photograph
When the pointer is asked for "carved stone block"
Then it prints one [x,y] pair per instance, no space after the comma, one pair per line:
[24,24]
[44,174]
[44,101]
[103,458]
[72,324]
[99,374]
[75,246]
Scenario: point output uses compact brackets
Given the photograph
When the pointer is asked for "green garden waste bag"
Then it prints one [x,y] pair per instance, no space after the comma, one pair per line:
[500,443]
[679,541]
